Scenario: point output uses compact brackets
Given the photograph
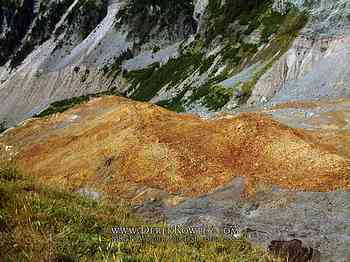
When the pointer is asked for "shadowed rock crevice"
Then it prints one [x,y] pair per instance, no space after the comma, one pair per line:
[294,251]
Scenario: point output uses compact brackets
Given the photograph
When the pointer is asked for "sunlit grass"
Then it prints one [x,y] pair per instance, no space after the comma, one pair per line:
[39,223]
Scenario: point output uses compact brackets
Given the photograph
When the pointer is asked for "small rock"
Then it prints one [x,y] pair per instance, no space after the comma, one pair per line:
[294,251]
[90,194]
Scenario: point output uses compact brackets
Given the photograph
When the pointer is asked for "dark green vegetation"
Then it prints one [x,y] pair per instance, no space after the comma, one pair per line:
[44,25]
[292,22]
[231,24]
[220,17]
[41,223]
[248,16]
[18,18]
[226,25]
[147,82]
[63,105]
[174,104]
[211,96]
[82,19]
[115,68]
[173,17]
[214,97]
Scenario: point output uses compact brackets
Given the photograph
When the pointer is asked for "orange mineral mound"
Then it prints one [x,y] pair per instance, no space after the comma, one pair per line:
[113,144]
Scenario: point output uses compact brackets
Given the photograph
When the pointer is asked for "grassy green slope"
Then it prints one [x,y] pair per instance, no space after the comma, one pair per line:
[39,223]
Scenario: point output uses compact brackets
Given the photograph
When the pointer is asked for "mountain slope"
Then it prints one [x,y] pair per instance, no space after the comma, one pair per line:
[272,181]
[201,56]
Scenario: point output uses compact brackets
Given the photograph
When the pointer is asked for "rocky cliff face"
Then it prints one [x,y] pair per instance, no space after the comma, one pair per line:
[198,56]
[68,47]
[201,56]
[316,66]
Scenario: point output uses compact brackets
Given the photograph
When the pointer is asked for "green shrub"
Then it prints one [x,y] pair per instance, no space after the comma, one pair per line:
[295,20]
[175,104]
[217,97]
[145,15]
[272,23]
[220,17]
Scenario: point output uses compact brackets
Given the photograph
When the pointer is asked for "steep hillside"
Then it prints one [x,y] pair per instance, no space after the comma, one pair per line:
[274,182]
[70,227]
[199,56]
[316,66]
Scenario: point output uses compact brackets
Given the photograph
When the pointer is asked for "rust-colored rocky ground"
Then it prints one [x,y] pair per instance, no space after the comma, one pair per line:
[113,144]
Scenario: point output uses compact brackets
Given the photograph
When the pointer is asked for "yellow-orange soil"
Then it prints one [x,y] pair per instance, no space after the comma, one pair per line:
[113,144]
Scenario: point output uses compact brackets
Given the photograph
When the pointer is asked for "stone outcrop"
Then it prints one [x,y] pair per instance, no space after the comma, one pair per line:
[294,251]
[311,69]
